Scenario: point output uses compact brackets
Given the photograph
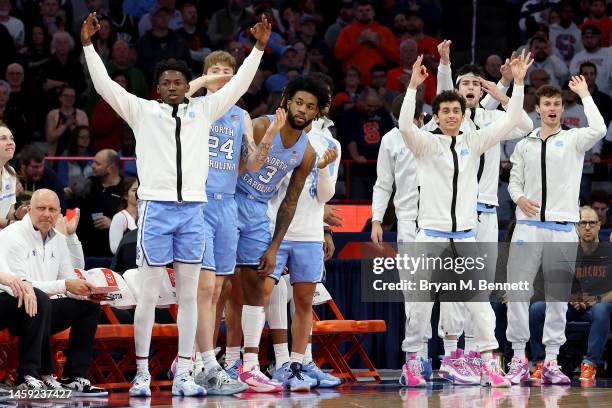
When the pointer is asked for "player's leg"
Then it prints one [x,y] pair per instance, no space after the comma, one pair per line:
[276,315]
[233,323]
[223,288]
[153,252]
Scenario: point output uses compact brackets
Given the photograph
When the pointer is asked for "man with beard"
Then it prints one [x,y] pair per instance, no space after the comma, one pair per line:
[593,52]
[303,99]
[543,58]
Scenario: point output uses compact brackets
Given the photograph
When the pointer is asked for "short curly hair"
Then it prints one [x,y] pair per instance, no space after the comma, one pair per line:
[173,65]
[308,84]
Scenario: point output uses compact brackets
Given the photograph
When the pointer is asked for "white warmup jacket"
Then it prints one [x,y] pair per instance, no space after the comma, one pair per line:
[46,264]
[447,166]
[171,141]
[549,171]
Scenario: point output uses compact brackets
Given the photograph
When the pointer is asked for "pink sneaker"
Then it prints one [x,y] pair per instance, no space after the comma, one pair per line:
[258,381]
[492,375]
[474,362]
[456,368]
[551,374]
[517,371]
[412,375]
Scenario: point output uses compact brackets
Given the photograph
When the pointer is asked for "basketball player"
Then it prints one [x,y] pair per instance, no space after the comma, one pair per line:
[231,147]
[172,144]
[471,84]
[545,185]
[302,251]
[396,165]
[447,163]
[303,98]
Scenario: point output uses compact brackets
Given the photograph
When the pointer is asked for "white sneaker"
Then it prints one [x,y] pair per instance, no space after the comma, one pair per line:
[184,386]
[141,386]
[51,383]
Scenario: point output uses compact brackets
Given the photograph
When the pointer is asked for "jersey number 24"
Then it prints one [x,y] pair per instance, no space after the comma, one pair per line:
[227,147]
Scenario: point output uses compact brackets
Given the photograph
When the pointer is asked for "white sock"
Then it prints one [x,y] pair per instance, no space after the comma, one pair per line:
[550,357]
[470,344]
[519,353]
[183,365]
[250,360]
[281,352]
[142,365]
[231,355]
[424,351]
[198,365]
[253,320]
[450,345]
[209,360]
[308,354]
[296,358]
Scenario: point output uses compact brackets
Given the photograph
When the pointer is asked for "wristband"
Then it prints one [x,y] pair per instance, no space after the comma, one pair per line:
[327,230]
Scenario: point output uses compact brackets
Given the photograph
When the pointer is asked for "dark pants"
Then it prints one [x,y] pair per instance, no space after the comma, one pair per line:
[598,315]
[82,317]
[28,329]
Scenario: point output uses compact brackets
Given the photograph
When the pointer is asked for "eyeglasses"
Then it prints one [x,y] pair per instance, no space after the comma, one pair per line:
[589,223]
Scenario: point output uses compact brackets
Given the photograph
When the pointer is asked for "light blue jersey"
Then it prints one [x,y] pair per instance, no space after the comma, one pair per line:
[225,142]
[262,184]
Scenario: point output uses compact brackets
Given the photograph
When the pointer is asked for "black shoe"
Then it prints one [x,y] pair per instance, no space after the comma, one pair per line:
[81,387]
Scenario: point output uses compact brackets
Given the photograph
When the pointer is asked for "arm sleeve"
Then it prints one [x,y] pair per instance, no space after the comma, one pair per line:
[517,174]
[125,104]
[487,137]
[219,102]
[384,181]
[445,78]
[418,141]
[116,230]
[326,183]
[587,137]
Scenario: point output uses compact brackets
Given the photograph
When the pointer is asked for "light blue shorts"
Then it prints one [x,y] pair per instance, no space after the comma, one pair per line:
[170,231]
[253,228]
[221,230]
[303,259]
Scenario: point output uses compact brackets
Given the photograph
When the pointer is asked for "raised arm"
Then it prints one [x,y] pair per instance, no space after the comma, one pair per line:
[418,141]
[254,148]
[219,102]
[496,96]
[445,75]
[587,137]
[124,103]
[286,211]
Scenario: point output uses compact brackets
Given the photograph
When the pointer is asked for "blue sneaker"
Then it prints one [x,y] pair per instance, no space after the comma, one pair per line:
[293,378]
[278,375]
[324,380]
[234,370]
[426,367]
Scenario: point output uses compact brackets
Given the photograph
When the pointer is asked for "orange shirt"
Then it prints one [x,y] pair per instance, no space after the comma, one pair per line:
[363,56]
[394,83]
[428,45]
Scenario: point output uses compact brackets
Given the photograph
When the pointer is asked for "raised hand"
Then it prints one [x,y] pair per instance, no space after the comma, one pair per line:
[280,116]
[579,86]
[506,71]
[419,73]
[261,31]
[444,51]
[328,157]
[519,67]
[89,28]
[495,93]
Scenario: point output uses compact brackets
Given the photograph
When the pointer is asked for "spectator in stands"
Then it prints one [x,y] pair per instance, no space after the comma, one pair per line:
[15,76]
[362,129]
[62,121]
[120,61]
[34,175]
[91,6]
[105,39]
[125,257]
[37,252]
[365,42]
[535,12]
[37,53]
[543,58]
[565,35]
[128,149]
[237,50]
[316,61]
[599,18]
[194,35]
[399,77]
[400,23]
[175,18]
[160,43]
[8,179]
[593,52]
[378,82]
[100,203]
[124,25]
[106,124]
[600,202]
[275,17]
[603,101]
[11,115]
[13,25]
[428,45]
[51,16]
[346,16]
[591,298]
[125,219]
[225,24]
[291,21]
[74,173]
[346,98]
[276,44]
[287,62]
[492,68]
[254,99]
[24,309]
[63,68]
[538,77]
[308,35]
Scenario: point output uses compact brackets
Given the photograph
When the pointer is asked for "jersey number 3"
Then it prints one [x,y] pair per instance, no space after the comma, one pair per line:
[227,147]
[265,178]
